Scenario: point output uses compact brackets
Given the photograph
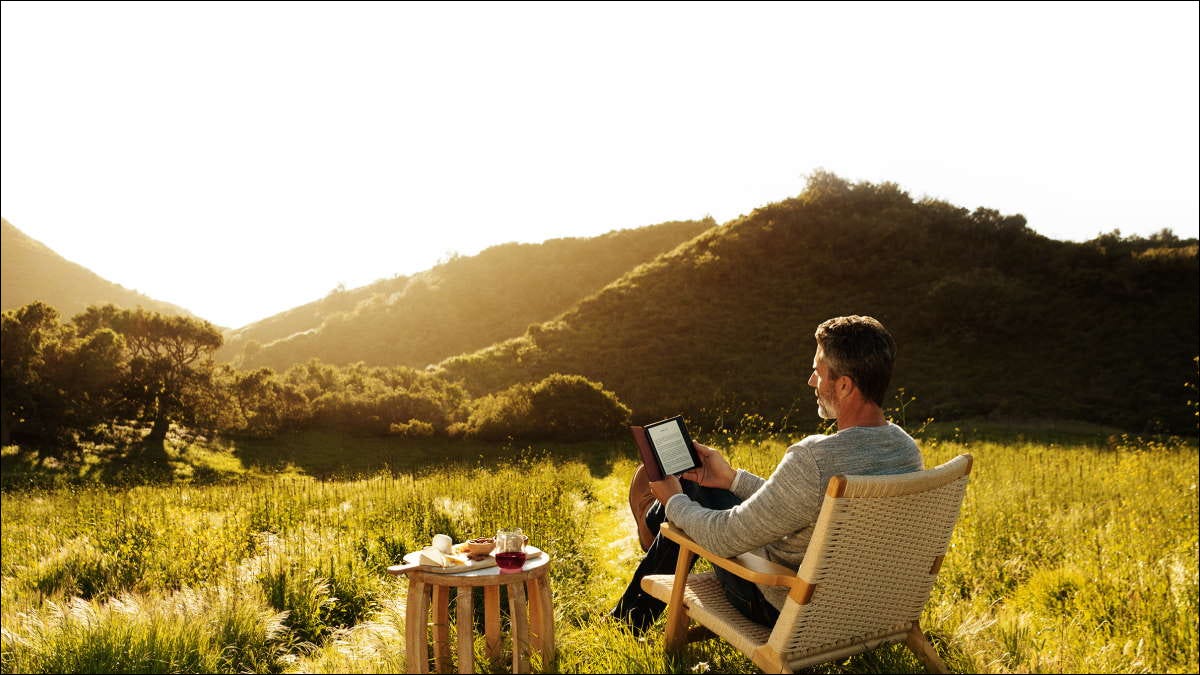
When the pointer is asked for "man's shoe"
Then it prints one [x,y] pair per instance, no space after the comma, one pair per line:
[640,500]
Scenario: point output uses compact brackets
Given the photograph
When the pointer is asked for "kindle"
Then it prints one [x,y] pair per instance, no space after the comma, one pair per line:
[666,448]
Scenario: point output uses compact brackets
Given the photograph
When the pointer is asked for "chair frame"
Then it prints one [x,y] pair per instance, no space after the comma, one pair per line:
[761,571]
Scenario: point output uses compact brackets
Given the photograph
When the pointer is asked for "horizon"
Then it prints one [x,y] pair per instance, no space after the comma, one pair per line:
[440,261]
[325,145]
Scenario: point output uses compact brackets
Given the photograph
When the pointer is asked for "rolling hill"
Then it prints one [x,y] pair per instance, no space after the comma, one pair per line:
[30,271]
[991,318]
[458,306]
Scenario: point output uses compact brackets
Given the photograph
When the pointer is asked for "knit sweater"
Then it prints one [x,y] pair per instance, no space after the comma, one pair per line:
[777,514]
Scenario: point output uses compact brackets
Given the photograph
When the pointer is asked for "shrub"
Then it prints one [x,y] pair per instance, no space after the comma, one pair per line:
[411,429]
[560,407]
[506,414]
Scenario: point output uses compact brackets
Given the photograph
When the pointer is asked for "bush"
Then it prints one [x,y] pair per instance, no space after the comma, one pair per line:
[411,429]
[560,407]
[506,414]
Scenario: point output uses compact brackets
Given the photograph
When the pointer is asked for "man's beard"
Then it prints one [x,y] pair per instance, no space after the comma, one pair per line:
[824,409]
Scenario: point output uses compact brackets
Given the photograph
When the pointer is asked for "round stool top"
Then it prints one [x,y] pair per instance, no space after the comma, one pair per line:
[484,576]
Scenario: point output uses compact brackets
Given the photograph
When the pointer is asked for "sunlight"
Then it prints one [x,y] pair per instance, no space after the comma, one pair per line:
[419,129]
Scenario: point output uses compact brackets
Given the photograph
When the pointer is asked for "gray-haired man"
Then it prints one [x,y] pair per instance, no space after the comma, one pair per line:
[731,512]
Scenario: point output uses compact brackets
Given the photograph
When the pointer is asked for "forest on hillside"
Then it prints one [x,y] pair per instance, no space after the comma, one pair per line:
[460,305]
[991,318]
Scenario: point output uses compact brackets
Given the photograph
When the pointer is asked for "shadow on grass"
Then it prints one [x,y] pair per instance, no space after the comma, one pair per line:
[325,455]
[334,455]
[1021,431]
[34,469]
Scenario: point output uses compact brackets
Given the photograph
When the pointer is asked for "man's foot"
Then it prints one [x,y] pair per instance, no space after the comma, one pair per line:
[640,500]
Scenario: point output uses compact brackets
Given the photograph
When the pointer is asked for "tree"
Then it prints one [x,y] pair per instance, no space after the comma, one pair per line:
[24,336]
[260,403]
[91,370]
[170,362]
[55,383]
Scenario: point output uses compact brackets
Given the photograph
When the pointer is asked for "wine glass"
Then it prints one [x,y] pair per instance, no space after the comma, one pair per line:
[510,549]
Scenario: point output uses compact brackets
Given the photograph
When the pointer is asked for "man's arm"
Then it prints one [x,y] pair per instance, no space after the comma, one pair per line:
[746,484]
[715,471]
[785,503]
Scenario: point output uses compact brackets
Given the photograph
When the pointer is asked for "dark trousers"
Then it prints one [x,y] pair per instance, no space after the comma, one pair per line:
[640,609]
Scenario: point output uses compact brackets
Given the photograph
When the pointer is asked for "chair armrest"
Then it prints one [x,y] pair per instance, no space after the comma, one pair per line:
[747,565]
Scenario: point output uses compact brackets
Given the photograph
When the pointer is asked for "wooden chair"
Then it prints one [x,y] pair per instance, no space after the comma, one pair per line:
[869,569]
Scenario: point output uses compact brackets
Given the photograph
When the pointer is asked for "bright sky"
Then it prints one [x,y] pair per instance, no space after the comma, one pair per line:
[241,159]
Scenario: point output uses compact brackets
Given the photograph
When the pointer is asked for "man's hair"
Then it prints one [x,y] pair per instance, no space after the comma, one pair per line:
[860,347]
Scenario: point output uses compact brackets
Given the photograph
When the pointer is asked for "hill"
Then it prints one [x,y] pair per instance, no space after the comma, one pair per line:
[29,271]
[461,305]
[991,318]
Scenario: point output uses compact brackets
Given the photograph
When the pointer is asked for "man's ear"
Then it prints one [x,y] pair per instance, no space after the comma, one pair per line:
[845,386]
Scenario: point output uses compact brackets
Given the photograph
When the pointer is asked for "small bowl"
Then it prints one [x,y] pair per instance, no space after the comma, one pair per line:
[481,546]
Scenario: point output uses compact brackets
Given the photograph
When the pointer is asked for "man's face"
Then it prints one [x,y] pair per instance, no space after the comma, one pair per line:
[823,382]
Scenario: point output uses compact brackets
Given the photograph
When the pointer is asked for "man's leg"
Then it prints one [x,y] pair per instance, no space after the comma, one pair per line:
[742,594]
[747,597]
[638,607]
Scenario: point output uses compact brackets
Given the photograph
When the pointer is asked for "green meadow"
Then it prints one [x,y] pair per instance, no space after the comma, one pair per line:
[1073,554]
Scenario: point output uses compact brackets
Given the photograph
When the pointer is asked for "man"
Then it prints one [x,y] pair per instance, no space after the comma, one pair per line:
[731,512]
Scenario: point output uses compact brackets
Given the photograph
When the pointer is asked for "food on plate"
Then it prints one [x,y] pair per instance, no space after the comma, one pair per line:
[480,547]
[435,558]
[443,543]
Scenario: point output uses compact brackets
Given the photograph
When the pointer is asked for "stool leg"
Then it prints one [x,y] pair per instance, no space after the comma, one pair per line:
[441,628]
[518,616]
[535,611]
[545,604]
[466,631]
[491,619]
[414,627]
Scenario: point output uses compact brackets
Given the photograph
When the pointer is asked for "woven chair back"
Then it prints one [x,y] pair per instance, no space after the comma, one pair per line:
[873,558]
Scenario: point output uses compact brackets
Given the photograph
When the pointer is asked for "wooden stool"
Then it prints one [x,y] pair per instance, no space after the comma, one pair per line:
[532,620]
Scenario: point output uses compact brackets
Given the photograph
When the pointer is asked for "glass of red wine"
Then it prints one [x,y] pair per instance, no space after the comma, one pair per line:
[510,549]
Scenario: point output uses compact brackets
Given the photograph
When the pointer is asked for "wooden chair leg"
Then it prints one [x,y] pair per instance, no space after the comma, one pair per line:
[769,660]
[919,644]
[677,618]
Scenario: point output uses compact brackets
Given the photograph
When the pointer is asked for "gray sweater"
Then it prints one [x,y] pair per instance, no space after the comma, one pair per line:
[777,514]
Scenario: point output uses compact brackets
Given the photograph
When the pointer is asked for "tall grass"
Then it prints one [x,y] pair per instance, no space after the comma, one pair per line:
[1068,557]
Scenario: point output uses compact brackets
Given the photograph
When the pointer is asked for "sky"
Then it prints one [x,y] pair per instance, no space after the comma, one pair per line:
[241,159]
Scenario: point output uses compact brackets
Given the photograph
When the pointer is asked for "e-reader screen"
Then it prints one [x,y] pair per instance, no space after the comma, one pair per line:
[673,446]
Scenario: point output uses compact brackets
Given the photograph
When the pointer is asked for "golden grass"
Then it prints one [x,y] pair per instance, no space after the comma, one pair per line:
[1067,558]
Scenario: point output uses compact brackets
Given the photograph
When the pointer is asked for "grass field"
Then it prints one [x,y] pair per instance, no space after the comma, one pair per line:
[1072,555]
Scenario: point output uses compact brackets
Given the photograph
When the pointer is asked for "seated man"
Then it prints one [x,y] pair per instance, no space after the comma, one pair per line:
[732,512]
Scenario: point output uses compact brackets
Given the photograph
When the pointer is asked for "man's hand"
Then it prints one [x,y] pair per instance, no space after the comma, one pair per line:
[665,489]
[714,470]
